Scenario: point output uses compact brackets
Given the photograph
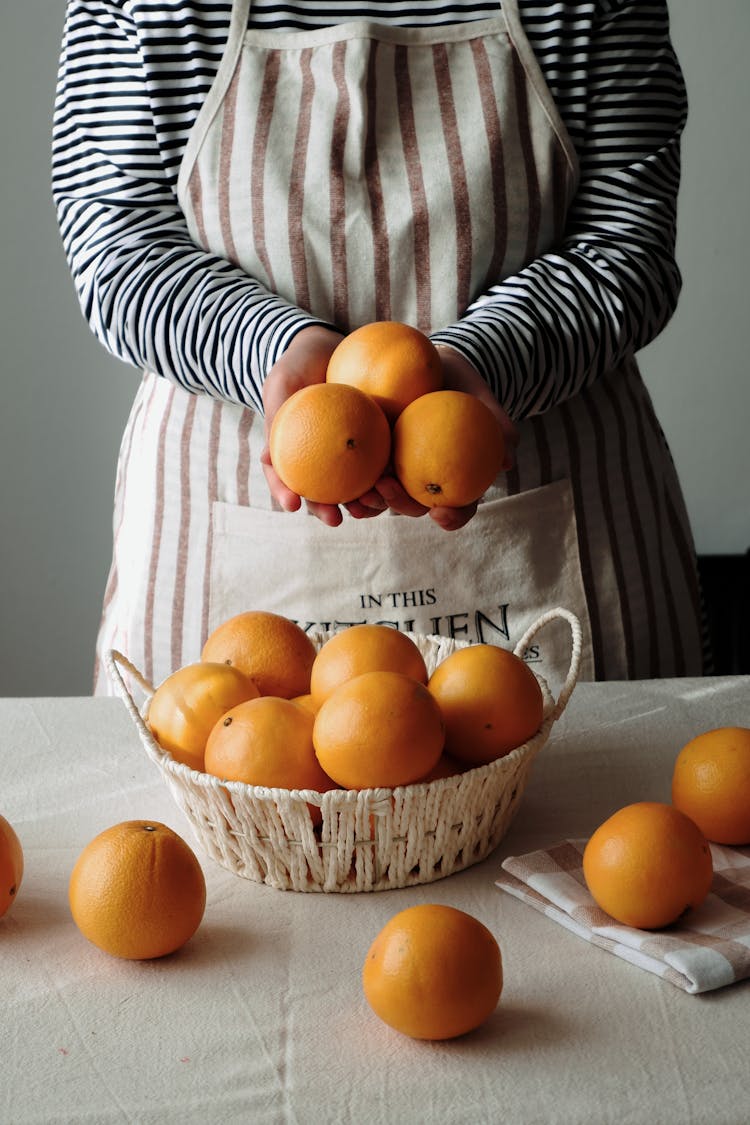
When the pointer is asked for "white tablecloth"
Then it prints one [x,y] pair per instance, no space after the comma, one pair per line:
[261,1017]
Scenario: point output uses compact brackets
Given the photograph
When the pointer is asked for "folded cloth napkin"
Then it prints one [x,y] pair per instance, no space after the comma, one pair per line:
[708,947]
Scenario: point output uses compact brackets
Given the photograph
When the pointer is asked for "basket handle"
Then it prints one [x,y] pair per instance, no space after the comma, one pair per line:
[575,656]
[115,661]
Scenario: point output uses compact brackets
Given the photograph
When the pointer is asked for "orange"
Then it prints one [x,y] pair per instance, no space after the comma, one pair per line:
[491,702]
[266,741]
[647,864]
[446,766]
[272,650]
[711,784]
[11,865]
[378,729]
[448,447]
[307,702]
[433,972]
[330,442]
[186,705]
[364,648]
[393,362]
[137,890]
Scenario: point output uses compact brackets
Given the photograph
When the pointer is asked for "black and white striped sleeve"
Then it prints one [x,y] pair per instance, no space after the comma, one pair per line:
[150,295]
[612,284]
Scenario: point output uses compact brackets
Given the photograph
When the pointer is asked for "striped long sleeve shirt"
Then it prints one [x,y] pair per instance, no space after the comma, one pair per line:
[133,75]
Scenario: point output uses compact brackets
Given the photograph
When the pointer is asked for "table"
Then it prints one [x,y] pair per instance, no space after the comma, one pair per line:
[260,1018]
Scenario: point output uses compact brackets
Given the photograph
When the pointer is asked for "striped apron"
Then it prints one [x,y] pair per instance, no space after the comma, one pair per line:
[367,172]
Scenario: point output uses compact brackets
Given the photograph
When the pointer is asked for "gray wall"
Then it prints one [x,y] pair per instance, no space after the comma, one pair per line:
[698,370]
[65,401]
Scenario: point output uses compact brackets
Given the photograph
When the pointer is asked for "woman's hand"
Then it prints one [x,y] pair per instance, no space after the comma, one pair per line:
[458,375]
[304,362]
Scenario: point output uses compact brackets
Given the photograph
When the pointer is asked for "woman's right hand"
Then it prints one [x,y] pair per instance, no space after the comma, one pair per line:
[304,362]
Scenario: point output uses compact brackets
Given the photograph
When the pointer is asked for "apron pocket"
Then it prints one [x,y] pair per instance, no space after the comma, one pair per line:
[518,558]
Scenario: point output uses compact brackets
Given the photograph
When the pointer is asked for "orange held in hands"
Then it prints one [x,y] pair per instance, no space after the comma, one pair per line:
[11,865]
[647,864]
[711,784]
[185,707]
[269,648]
[137,890]
[379,729]
[330,443]
[364,648]
[491,702]
[433,972]
[448,447]
[393,362]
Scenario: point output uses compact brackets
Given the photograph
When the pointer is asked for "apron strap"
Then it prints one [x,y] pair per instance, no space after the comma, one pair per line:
[215,97]
[539,83]
[238,21]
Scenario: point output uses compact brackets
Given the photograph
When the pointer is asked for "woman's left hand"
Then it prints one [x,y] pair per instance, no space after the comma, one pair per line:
[458,375]
[304,362]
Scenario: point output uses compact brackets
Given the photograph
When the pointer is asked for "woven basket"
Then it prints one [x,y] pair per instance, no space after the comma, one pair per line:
[369,839]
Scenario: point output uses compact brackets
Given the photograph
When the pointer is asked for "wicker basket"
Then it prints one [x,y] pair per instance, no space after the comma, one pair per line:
[370,839]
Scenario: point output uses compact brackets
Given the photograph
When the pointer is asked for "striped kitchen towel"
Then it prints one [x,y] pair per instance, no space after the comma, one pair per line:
[708,948]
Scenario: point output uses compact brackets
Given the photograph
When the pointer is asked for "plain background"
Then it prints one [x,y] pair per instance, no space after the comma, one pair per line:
[65,400]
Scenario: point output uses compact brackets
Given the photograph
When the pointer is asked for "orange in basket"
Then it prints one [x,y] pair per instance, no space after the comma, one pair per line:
[274,651]
[491,702]
[364,648]
[266,741]
[379,729]
[187,705]
[307,702]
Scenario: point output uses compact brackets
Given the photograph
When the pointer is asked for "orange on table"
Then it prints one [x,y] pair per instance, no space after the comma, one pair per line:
[711,784]
[647,864]
[491,702]
[266,741]
[186,705]
[11,865]
[269,648]
[378,729]
[393,362]
[448,447]
[364,648]
[433,972]
[137,890]
[330,442]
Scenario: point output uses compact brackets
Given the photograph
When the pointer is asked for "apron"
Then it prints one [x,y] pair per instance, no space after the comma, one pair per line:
[367,172]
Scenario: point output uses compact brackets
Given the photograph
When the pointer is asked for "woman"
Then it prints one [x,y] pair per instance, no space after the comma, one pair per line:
[238,185]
